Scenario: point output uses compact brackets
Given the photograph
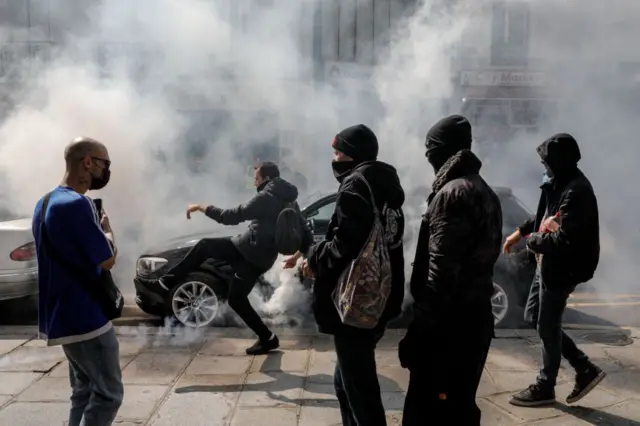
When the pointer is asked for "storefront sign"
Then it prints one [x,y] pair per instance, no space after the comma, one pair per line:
[354,75]
[502,78]
[347,70]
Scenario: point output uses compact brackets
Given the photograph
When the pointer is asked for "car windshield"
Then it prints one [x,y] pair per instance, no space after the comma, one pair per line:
[309,199]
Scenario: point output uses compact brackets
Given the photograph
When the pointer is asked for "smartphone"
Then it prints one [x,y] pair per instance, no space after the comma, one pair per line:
[98,203]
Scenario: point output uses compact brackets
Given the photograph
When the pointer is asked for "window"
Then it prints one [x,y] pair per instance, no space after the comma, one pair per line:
[510,34]
[516,26]
[525,112]
[325,212]
[532,112]
[14,14]
[488,112]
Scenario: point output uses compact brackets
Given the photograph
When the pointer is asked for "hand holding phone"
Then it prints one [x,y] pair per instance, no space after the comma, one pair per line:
[98,203]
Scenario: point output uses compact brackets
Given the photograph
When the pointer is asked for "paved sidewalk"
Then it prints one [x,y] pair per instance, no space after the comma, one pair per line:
[194,379]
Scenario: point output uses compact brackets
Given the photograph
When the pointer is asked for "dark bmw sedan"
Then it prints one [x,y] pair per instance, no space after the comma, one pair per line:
[196,300]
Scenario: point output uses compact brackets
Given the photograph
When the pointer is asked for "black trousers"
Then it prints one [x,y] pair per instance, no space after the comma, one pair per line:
[356,379]
[442,389]
[543,313]
[246,275]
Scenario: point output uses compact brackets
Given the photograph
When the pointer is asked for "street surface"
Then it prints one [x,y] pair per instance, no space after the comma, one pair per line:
[603,309]
[204,378]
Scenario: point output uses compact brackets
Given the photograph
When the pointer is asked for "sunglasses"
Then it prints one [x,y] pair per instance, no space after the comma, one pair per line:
[107,163]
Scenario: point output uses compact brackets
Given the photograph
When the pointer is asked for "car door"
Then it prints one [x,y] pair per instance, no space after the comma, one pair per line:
[319,218]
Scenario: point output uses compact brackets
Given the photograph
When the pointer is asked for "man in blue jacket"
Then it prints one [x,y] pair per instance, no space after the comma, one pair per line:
[83,240]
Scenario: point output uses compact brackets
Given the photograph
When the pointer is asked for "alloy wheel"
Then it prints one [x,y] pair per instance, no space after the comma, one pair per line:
[499,303]
[195,304]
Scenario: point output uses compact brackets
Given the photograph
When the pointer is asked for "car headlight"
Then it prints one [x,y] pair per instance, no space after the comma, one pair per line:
[147,265]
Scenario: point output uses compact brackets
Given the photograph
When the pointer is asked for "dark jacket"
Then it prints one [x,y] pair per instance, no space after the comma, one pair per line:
[571,254]
[257,243]
[349,229]
[458,245]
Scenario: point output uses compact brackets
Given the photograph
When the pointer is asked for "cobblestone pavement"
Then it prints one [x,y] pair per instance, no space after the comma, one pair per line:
[196,379]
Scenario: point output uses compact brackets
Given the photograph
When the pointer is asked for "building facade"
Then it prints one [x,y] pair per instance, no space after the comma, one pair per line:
[517,63]
[523,62]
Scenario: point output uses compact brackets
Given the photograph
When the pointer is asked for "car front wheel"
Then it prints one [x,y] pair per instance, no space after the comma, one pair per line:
[196,301]
[501,305]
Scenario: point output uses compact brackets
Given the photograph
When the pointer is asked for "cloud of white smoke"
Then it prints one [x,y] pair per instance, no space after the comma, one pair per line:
[164,82]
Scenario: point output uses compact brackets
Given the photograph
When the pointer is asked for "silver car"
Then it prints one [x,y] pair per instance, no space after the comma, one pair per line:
[18,267]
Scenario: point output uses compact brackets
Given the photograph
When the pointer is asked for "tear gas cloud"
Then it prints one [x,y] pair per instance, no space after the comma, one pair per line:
[163,82]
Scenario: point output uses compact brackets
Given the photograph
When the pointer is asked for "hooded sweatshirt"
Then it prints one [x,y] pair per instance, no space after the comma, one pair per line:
[349,229]
[257,243]
[570,254]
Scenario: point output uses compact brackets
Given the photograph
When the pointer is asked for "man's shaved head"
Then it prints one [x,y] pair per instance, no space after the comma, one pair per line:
[80,148]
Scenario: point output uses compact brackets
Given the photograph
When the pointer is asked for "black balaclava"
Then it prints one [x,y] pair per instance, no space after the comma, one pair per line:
[447,137]
[358,142]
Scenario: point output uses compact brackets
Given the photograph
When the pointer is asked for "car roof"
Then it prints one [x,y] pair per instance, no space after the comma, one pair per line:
[320,198]
[317,196]
[502,190]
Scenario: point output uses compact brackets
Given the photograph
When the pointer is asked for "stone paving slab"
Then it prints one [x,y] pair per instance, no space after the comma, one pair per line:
[204,378]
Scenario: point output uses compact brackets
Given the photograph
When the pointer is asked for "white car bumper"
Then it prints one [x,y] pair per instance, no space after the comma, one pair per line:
[18,284]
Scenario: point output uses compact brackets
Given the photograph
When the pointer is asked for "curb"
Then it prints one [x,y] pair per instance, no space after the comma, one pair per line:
[122,324]
[136,321]
[597,327]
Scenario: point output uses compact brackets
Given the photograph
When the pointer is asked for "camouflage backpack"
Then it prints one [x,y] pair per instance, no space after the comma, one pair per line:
[363,288]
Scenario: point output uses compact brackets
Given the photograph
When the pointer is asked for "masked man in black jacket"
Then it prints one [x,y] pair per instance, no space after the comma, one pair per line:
[566,245]
[452,284]
[355,379]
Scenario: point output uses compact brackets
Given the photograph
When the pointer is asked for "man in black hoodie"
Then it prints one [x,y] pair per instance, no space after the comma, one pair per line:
[355,379]
[251,253]
[452,284]
[566,245]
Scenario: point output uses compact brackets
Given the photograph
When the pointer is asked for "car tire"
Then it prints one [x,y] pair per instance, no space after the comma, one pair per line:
[505,295]
[196,300]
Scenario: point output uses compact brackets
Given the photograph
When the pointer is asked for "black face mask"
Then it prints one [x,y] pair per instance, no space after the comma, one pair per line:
[341,169]
[262,185]
[437,157]
[100,182]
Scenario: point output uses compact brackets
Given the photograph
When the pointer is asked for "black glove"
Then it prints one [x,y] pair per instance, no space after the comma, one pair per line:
[423,343]
[408,349]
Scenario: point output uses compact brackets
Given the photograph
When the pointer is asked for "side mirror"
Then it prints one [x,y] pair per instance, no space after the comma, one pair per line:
[312,224]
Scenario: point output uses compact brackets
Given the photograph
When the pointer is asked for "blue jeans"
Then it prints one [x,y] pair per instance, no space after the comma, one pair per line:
[356,377]
[544,313]
[96,380]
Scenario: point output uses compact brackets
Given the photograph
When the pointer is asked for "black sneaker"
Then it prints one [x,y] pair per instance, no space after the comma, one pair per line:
[534,396]
[585,382]
[263,347]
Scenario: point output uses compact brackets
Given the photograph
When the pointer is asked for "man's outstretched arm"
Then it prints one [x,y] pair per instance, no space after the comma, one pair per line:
[248,211]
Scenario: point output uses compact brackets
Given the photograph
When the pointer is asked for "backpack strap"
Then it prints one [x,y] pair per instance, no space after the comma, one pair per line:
[372,199]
